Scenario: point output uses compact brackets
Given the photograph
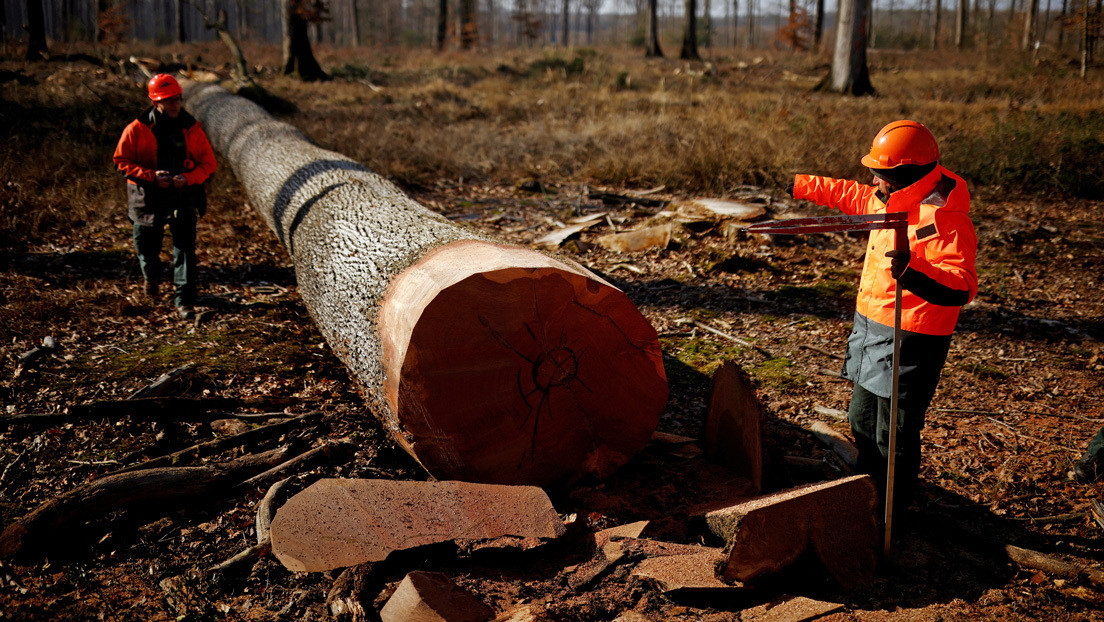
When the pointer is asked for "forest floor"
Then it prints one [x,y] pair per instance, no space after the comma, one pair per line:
[1020,396]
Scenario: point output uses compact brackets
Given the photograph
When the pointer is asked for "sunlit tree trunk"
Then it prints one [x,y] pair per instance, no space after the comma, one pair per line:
[651,30]
[1029,25]
[849,73]
[690,37]
[960,23]
[36,32]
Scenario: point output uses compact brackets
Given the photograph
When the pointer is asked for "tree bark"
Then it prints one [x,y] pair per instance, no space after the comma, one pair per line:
[960,23]
[488,363]
[469,28]
[442,24]
[36,32]
[818,23]
[937,15]
[1029,25]
[565,24]
[651,45]
[298,56]
[849,73]
[690,37]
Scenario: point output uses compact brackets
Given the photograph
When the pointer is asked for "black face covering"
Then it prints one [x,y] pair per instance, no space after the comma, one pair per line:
[904,175]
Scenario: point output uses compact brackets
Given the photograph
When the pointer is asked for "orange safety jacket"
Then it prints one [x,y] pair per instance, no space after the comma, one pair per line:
[941,275]
[136,153]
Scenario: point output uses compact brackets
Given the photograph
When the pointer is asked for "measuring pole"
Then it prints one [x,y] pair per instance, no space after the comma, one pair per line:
[900,243]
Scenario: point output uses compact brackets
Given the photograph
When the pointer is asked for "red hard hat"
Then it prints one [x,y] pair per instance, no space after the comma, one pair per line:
[902,142]
[163,86]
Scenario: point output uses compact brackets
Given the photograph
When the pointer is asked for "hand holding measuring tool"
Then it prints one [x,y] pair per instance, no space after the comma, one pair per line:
[898,222]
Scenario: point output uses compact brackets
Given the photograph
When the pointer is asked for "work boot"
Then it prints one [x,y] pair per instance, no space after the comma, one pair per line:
[186,312]
[151,288]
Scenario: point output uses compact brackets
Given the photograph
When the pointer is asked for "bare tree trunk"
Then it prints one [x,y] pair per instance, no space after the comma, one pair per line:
[469,28]
[36,32]
[870,24]
[707,24]
[298,56]
[1029,25]
[566,24]
[354,17]
[178,8]
[488,363]
[442,23]
[751,23]
[690,37]
[849,73]
[1085,40]
[960,23]
[937,17]
[818,23]
[651,33]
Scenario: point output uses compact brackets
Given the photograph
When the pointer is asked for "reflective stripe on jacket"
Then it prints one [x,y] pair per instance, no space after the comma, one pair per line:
[136,154]
[941,238]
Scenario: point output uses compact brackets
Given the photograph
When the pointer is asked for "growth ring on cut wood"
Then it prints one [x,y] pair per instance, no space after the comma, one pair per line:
[528,369]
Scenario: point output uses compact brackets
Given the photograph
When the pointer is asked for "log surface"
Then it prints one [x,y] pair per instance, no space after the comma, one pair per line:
[487,362]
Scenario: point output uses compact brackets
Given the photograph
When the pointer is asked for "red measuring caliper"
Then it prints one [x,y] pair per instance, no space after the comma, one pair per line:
[898,222]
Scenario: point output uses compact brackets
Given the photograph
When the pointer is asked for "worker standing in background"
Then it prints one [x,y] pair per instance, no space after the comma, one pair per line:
[937,276]
[167,161]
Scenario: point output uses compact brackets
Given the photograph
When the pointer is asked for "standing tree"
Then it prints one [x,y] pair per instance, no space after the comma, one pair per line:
[690,37]
[849,73]
[1029,25]
[751,23]
[442,24]
[36,31]
[566,18]
[178,6]
[818,22]
[298,57]
[960,23]
[937,14]
[469,28]
[651,36]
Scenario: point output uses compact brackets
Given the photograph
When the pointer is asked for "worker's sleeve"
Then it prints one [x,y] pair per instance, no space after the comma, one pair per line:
[849,197]
[942,271]
[201,155]
[126,157]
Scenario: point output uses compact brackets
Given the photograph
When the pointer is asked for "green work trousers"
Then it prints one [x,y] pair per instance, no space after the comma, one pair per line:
[869,418]
[147,241]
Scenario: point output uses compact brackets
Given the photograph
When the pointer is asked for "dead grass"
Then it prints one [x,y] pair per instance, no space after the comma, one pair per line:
[607,117]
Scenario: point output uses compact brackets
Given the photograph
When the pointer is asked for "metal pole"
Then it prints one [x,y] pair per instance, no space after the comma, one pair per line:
[901,244]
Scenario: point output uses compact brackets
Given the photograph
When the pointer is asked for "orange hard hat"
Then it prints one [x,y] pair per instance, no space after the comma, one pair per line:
[163,86]
[902,142]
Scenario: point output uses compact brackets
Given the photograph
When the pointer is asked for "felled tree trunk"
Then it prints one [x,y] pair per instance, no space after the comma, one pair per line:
[489,363]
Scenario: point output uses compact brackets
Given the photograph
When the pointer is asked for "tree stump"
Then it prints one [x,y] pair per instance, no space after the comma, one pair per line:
[487,362]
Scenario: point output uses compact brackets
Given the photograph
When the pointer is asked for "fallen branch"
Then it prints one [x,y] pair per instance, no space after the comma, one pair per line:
[765,352]
[152,408]
[266,509]
[838,443]
[1054,566]
[331,450]
[1032,438]
[126,490]
[248,557]
[1046,520]
[157,387]
[210,448]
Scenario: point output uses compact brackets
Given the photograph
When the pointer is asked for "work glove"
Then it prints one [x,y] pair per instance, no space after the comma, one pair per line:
[898,262]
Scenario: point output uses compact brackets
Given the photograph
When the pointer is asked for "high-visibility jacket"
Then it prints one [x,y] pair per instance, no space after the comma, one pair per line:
[941,277]
[136,158]
[136,153]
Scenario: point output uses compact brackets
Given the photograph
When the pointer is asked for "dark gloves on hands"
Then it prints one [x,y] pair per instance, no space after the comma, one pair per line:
[899,261]
[790,189]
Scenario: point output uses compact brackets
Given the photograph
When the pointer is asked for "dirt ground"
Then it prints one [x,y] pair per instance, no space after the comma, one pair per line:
[1019,399]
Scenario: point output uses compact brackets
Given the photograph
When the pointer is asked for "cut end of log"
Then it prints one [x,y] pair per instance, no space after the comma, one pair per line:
[507,366]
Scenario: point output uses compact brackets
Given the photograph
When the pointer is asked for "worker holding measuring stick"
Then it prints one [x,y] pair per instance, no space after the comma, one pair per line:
[919,271]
